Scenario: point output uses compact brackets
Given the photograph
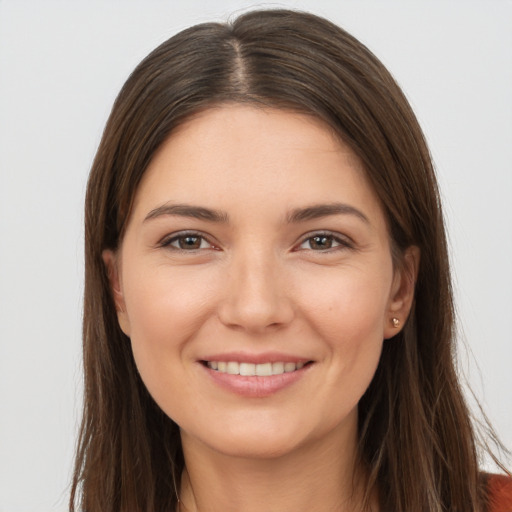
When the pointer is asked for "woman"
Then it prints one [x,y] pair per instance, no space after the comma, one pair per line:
[268,313]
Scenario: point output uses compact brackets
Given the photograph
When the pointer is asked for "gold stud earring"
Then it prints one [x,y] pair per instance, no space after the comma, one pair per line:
[395,322]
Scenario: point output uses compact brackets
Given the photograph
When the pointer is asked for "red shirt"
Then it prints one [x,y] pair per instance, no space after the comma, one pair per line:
[499,493]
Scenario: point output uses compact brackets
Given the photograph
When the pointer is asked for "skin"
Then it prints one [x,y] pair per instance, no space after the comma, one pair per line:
[253,282]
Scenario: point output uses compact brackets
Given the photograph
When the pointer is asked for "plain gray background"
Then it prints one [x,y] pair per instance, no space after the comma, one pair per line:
[61,66]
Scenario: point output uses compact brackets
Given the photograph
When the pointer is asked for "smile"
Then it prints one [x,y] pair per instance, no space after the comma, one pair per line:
[256,376]
[254,370]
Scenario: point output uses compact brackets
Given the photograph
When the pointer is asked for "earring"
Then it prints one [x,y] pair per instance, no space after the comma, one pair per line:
[395,322]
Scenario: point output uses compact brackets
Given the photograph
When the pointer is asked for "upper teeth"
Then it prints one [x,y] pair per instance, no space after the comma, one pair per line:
[250,369]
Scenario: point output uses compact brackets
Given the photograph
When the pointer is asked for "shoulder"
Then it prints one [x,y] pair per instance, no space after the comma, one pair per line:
[499,493]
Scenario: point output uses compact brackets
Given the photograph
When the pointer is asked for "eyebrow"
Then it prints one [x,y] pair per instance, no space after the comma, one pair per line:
[317,211]
[297,215]
[187,210]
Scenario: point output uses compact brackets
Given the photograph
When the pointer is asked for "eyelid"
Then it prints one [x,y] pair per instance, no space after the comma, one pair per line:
[345,241]
[166,241]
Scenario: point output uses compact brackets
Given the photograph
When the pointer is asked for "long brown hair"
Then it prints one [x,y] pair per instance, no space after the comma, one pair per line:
[416,436]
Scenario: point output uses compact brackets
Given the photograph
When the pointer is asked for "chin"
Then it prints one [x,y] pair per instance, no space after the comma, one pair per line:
[255,446]
[269,439]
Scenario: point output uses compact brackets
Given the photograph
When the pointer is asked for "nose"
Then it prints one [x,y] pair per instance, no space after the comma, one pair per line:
[256,296]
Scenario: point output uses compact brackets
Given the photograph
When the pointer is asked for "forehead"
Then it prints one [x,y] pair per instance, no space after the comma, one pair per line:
[239,156]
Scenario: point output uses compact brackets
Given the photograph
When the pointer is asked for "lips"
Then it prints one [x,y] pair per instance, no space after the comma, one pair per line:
[253,375]
[251,369]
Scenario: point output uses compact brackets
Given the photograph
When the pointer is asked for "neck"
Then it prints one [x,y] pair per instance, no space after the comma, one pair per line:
[319,476]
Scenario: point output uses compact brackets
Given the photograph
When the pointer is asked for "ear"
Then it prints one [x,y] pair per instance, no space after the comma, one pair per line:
[402,292]
[112,263]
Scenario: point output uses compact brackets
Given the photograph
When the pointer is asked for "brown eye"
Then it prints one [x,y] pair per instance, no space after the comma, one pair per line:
[187,242]
[321,242]
[324,242]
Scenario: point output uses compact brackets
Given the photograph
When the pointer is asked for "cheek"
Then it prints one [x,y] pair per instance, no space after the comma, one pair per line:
[348,305]
[165,310]
[348,313]
[167,301]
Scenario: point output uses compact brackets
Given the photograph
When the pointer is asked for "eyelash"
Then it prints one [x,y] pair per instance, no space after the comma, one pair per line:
[168,241]
[342,243]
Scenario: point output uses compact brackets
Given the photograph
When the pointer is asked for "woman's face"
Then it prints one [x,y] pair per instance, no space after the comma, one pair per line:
[255,282]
